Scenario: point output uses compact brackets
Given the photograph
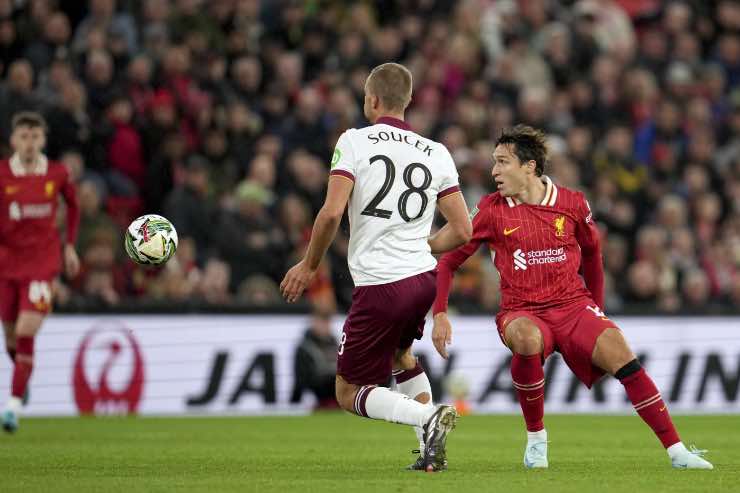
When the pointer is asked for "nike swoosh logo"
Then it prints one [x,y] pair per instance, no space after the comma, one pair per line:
[534,398]
[508,231]
[662,409]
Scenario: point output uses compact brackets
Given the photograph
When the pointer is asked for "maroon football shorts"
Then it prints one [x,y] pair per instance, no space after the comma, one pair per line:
[382,319]
[571,330]
[24,295]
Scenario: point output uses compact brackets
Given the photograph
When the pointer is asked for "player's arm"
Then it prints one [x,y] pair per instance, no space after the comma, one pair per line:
[458,229]
[71,260]
[587,236]
[324,229]
[446,267]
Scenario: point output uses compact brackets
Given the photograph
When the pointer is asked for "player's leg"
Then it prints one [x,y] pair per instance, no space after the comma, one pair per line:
[374,329]
[612,353]
[372,401]
[9,314]
[27,326]
[412,381]
[527,338]
[34,302]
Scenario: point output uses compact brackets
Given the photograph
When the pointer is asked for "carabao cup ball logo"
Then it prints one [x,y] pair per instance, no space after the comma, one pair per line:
[108,375]
[150,239]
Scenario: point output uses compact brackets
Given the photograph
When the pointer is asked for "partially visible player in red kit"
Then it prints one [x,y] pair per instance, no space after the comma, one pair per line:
[541,235]
[30,249]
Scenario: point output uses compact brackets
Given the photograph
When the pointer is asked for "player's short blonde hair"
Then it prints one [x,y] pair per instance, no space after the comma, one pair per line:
[391,83]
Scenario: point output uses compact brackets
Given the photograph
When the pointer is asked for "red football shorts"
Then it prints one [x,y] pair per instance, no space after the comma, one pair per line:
[382,319]
[571,330]
[24,295]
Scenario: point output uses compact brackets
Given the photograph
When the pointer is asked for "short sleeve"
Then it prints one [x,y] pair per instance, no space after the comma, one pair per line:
[450,182]
[587,234]
[343,160]
[585,210]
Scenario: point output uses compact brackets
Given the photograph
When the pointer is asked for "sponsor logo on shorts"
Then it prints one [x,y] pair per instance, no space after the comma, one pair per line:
[523,259]
[598,312]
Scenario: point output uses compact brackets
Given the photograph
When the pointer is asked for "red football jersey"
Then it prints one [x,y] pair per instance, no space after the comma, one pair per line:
[537,250]
[29,240]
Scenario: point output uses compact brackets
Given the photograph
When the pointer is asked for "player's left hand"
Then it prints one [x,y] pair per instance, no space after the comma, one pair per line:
[442,334]
[71,261]
[296,281]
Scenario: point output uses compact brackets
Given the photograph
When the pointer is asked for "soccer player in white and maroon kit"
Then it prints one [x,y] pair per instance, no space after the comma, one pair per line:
[393,180]
[30,249]
[540,235]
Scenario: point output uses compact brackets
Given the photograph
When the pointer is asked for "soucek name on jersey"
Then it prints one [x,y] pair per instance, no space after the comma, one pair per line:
[538,249]
[30,246]
[398,177]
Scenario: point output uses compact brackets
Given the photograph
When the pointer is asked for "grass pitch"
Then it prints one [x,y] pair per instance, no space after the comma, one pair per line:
[342,453]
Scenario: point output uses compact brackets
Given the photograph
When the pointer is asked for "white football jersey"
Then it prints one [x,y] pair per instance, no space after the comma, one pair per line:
[398,178]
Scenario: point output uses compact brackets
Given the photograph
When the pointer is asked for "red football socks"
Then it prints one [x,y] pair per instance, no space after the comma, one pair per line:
[23,366]
[649,405]
[529,381]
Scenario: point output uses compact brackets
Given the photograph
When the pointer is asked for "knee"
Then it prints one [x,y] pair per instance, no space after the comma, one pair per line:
[524,338]
[28,324]
[345,394]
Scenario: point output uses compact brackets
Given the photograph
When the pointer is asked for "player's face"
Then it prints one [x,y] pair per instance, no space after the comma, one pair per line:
[508,173]
[28,142]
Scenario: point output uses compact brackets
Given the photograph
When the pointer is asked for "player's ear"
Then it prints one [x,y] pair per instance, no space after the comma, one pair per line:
[375,101]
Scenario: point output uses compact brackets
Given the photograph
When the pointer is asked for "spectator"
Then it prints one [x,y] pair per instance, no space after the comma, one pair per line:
[189,207]
[247,239]
[103,15]
[17,93]
[315,362]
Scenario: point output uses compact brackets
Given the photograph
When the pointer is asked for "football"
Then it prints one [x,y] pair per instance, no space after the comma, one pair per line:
[150,240]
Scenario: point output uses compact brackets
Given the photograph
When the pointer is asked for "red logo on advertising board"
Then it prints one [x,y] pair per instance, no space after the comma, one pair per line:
[108,375]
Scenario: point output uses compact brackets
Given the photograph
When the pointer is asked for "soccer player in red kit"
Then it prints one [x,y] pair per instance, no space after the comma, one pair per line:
[540,236]
[30,250]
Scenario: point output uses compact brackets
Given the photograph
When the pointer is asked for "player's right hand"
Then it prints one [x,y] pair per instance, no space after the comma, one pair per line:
[442,334]
[296,281]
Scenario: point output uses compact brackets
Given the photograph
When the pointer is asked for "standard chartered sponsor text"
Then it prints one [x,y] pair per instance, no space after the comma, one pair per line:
[547,256]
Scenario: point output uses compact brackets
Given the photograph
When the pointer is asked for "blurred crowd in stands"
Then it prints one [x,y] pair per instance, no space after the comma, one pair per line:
[222,115]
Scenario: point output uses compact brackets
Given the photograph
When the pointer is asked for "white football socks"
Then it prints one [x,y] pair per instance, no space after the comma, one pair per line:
[411,388]
[676,449]
[383,403]
[537,436]
[15,404]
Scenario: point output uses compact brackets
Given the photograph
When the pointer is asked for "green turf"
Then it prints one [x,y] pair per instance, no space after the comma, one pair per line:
[337,452]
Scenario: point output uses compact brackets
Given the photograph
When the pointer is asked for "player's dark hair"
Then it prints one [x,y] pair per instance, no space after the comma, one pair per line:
[30,119]
[391,83]
[528,144]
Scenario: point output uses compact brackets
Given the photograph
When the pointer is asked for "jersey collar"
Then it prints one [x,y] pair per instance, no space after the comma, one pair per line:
[17,168]
[393,122]
[551,194]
